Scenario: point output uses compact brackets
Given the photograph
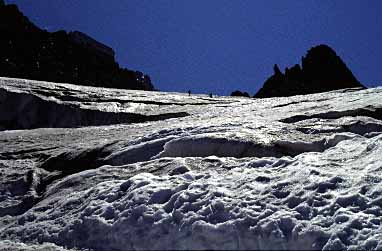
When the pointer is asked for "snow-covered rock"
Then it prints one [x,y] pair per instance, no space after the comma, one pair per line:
[303,172]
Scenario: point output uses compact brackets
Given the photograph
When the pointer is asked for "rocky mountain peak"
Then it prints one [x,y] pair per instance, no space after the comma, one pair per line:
[276,70]
[322,70]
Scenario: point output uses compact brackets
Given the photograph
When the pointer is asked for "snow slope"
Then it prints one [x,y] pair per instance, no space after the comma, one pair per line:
[302,172]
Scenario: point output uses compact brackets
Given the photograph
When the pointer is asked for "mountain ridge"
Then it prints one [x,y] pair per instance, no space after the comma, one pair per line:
[32,53]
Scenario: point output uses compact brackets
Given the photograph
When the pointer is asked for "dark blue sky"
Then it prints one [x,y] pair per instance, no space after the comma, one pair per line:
[220,45]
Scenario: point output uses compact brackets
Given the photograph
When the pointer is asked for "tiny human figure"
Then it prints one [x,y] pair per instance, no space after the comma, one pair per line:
[210,95]
[189,92]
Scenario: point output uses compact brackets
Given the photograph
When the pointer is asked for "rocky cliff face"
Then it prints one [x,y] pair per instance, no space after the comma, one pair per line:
[322,70]
[26,51]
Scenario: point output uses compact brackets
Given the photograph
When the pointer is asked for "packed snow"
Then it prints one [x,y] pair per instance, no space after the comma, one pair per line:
[302,172]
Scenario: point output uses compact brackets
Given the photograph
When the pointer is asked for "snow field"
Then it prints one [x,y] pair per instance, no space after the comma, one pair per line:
[288,203]
[302,172]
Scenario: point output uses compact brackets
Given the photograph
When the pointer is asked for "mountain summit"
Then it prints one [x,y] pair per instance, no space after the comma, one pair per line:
[322,70]
[26,51]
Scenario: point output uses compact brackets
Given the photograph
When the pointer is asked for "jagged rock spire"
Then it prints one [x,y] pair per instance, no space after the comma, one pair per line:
[322,70]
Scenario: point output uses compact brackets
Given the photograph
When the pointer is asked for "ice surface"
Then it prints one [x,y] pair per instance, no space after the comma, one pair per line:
[303,172]
[9,246]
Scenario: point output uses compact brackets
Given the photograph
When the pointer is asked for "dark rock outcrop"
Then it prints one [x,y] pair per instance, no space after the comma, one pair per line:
[238,93]
[322,70]
[27,51]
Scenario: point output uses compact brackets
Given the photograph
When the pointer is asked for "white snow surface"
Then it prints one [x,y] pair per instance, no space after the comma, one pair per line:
[301,173]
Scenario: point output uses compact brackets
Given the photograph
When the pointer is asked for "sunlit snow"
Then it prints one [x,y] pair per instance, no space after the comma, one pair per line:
[188,172]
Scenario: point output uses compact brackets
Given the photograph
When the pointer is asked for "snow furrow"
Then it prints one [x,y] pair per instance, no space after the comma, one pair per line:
[372,112]
[27,111]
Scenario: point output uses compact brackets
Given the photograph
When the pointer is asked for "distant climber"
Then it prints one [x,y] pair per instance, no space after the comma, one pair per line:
[210,95]
[189,92]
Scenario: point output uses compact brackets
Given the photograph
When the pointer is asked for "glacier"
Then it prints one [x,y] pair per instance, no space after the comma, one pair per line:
[86,168]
